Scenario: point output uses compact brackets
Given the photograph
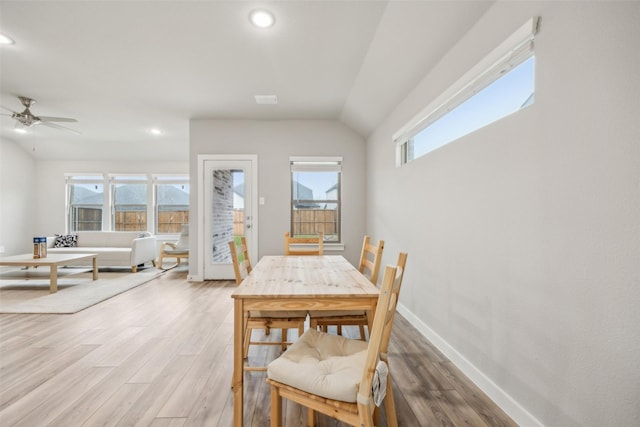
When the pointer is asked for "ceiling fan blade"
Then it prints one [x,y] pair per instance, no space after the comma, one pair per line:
[56,126]
[57,119]
[9,109]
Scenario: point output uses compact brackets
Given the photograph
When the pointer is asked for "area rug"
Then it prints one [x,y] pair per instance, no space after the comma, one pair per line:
[75,293]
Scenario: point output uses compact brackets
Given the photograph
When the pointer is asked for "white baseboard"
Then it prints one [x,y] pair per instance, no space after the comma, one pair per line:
[519,414]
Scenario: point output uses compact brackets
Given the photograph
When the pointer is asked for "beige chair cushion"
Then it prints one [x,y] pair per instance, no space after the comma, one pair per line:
[169,251]
[330,366]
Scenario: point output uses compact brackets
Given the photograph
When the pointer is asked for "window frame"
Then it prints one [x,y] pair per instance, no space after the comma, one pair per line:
[108,181]
[317,164]
[82,178]
[115,179]
[512,52]
[164,179]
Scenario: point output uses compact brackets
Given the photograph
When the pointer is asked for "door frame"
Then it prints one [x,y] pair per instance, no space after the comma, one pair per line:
[200,214]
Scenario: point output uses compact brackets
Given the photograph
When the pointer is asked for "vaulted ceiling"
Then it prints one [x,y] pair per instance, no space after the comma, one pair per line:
[122,68]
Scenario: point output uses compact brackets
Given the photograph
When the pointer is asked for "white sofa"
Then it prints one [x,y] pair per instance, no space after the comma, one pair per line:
[114,248]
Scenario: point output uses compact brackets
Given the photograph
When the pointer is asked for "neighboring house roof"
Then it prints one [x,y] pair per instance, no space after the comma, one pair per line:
[528,101]
[132,195]
[239,190]
[171,195]
[84,196]
[301,192]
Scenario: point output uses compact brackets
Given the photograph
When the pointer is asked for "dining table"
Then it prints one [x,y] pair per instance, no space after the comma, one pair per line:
[284,283]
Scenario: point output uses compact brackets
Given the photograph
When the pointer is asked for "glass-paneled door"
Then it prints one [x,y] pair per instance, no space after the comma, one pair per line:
[228,214]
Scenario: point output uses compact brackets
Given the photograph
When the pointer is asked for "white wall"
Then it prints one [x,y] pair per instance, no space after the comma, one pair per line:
[524,237]
[274,142]
[18,201]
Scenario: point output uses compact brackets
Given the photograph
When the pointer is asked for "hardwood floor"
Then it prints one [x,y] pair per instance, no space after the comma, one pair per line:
[161,355]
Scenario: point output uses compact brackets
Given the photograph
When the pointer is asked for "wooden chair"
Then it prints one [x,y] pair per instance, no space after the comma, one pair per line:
[177,250]
[289,241]
[370,259]
[302,374]
[265,320]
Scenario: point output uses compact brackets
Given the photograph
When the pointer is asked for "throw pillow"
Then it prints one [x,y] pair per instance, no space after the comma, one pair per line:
[66,241]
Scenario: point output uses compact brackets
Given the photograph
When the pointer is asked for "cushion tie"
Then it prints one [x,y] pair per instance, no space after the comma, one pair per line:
[362,399]
[379,383]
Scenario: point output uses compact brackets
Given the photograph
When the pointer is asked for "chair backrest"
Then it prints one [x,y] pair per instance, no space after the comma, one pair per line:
[382,324]
[288,241]
[241,268]
[183,240]
[370,259]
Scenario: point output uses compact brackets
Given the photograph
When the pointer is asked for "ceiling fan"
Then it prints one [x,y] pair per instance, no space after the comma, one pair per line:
[27,119]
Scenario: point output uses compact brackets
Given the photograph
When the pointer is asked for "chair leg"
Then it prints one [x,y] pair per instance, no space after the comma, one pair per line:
[363,337]
[160,261]
[311,417]
[390,405]
[366,415]
[339,329]
[276,407]
[283,341]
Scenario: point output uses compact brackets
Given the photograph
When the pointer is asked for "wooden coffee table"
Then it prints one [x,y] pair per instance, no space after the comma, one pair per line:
[52,261]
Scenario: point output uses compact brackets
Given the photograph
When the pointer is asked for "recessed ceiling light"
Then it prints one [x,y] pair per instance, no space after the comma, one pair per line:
[5,39]
[21,130]
[262,18]
[155,131]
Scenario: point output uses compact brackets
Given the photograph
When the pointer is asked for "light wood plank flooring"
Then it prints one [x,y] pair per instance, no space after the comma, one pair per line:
[161,355]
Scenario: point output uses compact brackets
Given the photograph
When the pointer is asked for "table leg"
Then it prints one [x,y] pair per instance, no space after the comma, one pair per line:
[53,279]
[371,313]
[238,362]
[95,268]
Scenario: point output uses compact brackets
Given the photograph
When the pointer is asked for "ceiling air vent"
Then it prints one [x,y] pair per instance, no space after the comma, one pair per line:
[266,99]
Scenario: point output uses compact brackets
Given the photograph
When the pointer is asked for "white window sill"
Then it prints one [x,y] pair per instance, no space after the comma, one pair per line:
[327,247]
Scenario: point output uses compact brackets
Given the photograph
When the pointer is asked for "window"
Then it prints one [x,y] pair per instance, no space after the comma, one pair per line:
[315,197]
[498,86]
[171,203]
[129,195]
[158,203]
[85,202]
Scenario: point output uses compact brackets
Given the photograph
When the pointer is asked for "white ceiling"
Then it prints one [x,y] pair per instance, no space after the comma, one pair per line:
[123,67]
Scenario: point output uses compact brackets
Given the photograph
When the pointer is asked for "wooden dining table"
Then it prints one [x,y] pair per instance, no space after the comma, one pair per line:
[296,283]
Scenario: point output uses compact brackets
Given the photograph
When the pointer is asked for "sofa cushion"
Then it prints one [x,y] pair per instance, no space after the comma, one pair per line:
[106,256]
[106,239]
[66,241]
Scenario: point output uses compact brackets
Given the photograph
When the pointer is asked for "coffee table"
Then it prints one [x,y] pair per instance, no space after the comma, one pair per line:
[52,261]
